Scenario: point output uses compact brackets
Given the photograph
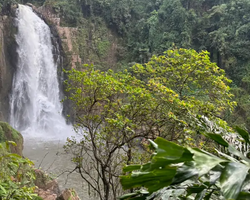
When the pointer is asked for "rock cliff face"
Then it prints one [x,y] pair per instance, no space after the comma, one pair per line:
[63,36]
[48,189]
[8,60]
[92,42]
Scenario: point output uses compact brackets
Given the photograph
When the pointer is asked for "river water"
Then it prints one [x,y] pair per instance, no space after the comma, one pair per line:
[51,158]
[36,110]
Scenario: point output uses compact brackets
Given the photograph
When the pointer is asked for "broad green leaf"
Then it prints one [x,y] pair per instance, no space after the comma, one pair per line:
[235,152]
[232,179]
[169,153]
[185,172]
[152,180]
[130,168]
[243,133]
[168,150]
[217,138]
[204,162]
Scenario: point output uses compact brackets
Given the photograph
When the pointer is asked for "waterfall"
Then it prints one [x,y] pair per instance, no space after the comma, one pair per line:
[35,100]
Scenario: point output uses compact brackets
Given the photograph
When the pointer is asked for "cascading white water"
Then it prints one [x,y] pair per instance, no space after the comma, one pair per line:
[35,101]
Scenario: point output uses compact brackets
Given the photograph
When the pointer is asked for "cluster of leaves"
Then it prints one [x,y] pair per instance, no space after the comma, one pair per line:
[16,175]
[197,81]
[115,111]
[176,172]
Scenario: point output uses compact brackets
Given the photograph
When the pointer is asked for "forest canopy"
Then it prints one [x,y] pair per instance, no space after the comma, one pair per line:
[150,27]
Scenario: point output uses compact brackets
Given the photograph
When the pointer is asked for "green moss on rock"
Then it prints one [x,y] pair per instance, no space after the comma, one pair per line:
[7,133]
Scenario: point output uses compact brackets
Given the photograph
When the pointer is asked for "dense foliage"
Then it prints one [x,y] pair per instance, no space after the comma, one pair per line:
[16,175]
[148,27]
[176,172]
[192,76]
[115,112]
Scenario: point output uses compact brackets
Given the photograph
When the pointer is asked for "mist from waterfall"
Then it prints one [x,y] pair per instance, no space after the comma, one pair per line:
[36,109]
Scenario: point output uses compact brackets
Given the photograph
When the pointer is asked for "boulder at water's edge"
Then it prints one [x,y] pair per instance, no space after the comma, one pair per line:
[7,133]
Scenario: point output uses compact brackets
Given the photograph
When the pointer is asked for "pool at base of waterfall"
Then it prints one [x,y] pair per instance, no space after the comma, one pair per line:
[51,158]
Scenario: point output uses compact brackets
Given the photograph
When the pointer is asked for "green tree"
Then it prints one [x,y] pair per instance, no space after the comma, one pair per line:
[193,77]
[116,111]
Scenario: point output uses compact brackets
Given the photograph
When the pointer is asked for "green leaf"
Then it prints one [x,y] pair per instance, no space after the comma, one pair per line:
[166,194]
[130,168]
[243,133]
[13,155]
[152,180]
[200,195]
[3,189]
[235,152]
[226,156]
[13,143]
[217,138]
[195,189]
[232,179]
[208,196]
[185,172]
[204,162]
[169,152]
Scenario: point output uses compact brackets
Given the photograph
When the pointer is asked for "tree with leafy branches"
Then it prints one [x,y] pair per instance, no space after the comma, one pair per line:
[115,112]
